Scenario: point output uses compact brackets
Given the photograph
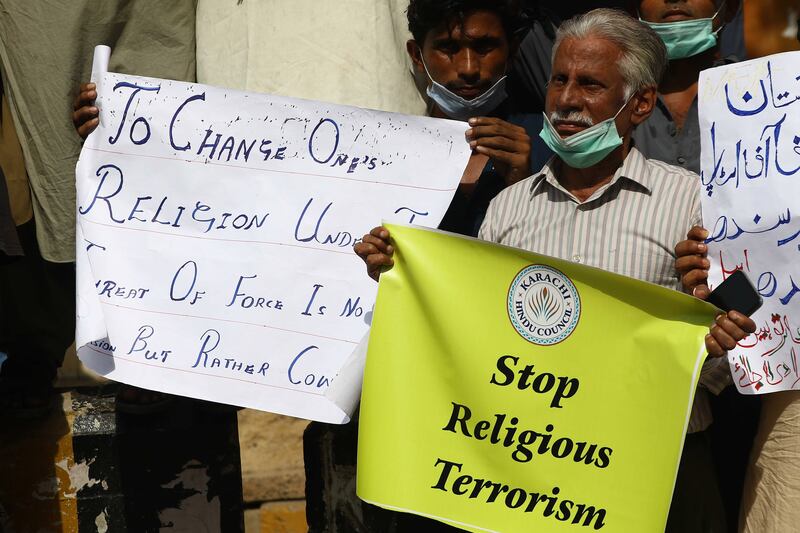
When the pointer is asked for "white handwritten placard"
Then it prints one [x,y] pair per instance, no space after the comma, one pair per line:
[750,132]
[216,232]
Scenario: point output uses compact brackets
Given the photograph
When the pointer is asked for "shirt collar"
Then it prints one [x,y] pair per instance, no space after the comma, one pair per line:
[634,169]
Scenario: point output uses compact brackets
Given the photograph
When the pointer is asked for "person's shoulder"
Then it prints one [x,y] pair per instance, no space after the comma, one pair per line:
[672,175]
[674,171]
[727,60]
[519,191]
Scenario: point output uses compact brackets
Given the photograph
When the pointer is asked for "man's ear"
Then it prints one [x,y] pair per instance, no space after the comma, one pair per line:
[644,101]
[415,53]
[418,70]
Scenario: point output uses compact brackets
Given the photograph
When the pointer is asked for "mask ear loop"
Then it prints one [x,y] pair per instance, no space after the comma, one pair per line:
[430,104]
[719,9]
[716,32]
[628,101]
[422,60]
[429,101]
[639,16]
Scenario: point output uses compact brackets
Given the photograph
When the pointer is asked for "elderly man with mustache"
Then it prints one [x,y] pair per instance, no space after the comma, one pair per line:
[600,202]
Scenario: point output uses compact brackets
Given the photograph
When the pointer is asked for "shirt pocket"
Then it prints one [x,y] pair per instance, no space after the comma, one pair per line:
[654,264]
[643,259]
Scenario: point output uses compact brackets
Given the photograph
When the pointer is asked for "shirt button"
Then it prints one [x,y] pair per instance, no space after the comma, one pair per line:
[673,131]
[681,160]
[576,258]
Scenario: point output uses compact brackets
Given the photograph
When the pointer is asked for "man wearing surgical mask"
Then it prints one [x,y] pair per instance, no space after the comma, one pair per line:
[600,202]
[691,31]
[461,52]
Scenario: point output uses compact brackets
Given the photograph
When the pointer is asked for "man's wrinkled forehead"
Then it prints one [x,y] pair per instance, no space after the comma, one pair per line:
[593,52]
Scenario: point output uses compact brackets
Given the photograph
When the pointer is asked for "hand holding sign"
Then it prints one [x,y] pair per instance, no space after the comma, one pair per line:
[216,228]
[85,116]
[508,145]
[692,264]
[375,250]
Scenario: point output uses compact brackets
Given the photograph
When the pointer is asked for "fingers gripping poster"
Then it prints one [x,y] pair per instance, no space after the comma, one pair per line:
[215,233]
[750,133]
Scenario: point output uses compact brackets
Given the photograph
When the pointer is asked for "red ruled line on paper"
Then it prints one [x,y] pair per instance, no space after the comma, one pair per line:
[345,251]
[133,361]
[215,319]
[206,162]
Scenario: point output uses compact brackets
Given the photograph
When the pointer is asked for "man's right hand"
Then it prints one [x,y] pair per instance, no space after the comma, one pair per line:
[508,146]
[85,114]
[375,250]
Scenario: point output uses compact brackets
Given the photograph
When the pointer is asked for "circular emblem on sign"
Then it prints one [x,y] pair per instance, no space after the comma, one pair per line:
[543,305]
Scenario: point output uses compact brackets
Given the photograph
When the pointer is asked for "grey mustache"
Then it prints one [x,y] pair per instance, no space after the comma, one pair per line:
[573,116]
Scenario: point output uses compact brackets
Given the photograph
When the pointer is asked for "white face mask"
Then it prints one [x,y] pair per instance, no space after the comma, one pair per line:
[459,108]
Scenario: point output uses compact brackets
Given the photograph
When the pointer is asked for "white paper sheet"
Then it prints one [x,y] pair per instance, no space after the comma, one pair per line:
[345,390]
[750,132]
[215,234]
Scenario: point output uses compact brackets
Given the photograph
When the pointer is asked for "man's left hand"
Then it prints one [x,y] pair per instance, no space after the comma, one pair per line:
[85,116]
[508,146]
[692,264]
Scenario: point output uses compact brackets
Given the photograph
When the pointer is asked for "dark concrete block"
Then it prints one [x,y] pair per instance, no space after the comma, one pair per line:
[178,468]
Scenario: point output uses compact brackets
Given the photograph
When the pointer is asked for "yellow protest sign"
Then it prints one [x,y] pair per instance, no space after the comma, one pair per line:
[507,391]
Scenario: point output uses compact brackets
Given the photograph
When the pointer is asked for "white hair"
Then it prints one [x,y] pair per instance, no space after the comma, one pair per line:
[644,56]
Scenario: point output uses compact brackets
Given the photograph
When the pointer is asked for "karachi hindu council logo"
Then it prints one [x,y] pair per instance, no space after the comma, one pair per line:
[543,304]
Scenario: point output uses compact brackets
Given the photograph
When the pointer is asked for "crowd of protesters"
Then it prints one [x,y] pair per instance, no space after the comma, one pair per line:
[584,113]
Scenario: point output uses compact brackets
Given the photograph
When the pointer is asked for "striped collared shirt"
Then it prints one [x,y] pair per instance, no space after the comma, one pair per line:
[629,226]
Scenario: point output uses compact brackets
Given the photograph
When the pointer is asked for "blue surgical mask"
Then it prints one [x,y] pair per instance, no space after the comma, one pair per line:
[687,38]
[587,147]
[459,108]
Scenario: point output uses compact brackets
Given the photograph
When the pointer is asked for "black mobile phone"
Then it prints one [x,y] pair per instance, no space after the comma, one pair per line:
[736,293]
